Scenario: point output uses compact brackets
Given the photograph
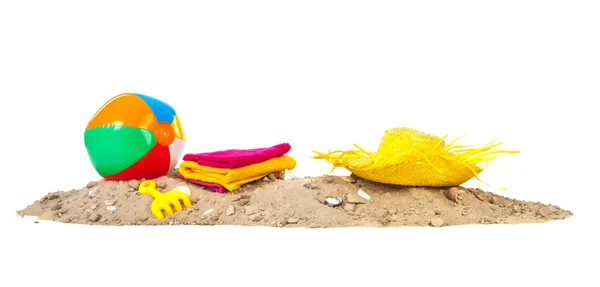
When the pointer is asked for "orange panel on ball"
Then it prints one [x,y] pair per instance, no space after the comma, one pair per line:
[124,110]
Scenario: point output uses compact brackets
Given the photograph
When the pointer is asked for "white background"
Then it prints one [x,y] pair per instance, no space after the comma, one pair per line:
[319,75]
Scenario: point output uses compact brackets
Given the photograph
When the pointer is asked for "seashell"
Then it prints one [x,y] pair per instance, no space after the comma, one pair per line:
[364,195]
[279,174]
[184,189]
[111,208]
[333,201]
[208,211]
[454,194]
[93,192]
[308,183]
[111,201]
[288,175]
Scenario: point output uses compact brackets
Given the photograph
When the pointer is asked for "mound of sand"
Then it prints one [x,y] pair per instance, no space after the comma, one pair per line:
[292,203]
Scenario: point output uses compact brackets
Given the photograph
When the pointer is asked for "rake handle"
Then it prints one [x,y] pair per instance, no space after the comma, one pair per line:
[149,187]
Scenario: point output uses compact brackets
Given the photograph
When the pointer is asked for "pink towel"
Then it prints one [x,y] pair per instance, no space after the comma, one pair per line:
[212,186]
[234,158]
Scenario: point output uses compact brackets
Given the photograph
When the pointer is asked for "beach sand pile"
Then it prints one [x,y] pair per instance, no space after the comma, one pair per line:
[313,202]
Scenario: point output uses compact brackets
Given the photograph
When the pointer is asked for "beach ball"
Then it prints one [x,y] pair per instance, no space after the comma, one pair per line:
[134,136]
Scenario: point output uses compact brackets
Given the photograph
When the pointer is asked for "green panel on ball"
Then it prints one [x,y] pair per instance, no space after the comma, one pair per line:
[113,149]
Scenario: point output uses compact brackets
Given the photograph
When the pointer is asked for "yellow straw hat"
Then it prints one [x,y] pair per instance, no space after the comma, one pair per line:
[411,158]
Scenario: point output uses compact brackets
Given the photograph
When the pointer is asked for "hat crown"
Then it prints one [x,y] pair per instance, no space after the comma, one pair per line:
[407,140]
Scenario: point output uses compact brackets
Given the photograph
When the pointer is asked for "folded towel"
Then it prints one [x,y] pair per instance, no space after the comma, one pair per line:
[212,186]
[234,158]
[233,178]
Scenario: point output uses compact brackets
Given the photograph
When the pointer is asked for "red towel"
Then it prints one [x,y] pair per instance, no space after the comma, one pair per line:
[212,186]
[234,158]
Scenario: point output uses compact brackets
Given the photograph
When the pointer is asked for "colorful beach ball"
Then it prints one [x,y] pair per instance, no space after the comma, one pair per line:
[134,136]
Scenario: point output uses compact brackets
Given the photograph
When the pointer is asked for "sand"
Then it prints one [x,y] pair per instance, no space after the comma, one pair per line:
[296,202]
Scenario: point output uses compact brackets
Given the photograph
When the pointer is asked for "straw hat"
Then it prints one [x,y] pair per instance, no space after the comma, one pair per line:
[408,157]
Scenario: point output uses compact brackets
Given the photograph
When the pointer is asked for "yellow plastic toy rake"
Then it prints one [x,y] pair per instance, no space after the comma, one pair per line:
[164,202]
